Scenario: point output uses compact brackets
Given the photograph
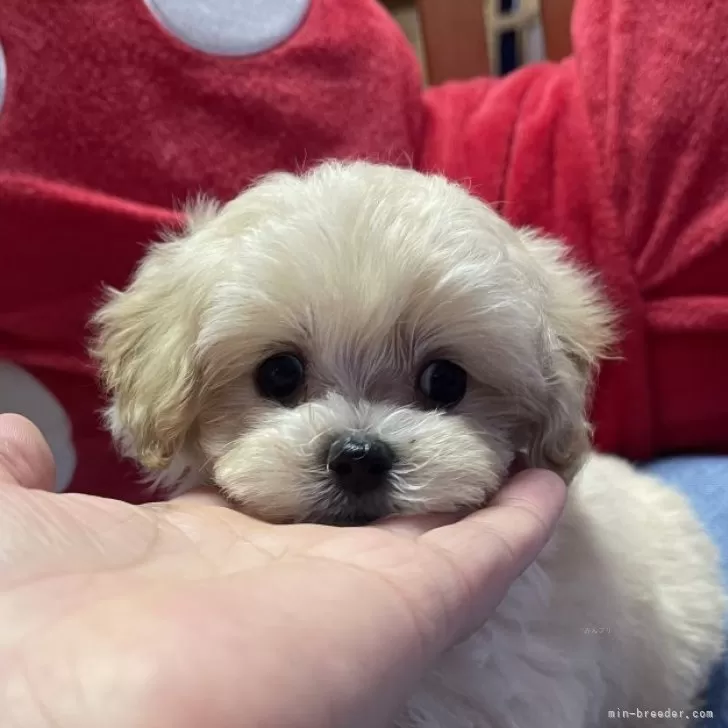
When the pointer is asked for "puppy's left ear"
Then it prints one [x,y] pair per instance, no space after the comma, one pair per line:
[579,331]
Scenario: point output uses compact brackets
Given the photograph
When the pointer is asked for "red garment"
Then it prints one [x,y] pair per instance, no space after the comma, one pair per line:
[109,121]
[622,151]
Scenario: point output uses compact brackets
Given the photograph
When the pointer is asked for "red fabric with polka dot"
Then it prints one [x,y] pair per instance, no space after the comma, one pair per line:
[109,119]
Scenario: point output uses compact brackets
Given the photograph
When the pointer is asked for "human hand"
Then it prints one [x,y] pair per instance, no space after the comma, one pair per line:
[183,614]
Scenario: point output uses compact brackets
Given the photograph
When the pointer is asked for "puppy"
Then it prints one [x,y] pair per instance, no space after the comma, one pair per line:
[363,341]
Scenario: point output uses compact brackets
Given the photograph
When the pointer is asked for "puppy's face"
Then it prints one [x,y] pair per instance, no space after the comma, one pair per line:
[357,342]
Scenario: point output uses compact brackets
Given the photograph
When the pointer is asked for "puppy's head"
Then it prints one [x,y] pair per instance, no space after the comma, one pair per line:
[360,341]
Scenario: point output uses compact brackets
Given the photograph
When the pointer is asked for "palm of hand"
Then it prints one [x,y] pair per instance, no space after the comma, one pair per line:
[177,615]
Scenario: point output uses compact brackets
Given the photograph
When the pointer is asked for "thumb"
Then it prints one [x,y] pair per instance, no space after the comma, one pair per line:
[25,458]
[492,547]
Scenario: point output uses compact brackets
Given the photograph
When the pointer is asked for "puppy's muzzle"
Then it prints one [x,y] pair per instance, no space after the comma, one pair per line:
[359,464]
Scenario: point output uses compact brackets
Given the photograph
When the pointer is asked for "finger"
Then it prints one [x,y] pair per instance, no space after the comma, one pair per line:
[522,515]
[489,549]
[25,458]
[416,525]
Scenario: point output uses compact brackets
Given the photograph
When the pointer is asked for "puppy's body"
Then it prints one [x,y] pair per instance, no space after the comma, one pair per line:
[366,341]
[621,612]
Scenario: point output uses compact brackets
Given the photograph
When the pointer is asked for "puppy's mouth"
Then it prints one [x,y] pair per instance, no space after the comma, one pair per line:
[342,509]
[348,511]
[361,519]
[336,507]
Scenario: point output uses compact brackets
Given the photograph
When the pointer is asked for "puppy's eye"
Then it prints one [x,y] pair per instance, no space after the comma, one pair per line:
[443,383]
[280,376]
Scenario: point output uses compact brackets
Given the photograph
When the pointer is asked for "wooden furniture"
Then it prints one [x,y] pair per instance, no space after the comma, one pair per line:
[454,39]
[556,23]
[454,33]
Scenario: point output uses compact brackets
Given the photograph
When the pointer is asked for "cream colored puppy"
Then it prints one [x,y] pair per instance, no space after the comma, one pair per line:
[365,340]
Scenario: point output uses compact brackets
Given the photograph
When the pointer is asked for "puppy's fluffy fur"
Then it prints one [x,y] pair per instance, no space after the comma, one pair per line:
[367,273]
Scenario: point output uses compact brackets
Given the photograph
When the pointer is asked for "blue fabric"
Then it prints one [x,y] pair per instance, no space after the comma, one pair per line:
[704,480]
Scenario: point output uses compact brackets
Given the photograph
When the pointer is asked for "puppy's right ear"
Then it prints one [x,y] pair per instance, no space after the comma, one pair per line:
[145,349]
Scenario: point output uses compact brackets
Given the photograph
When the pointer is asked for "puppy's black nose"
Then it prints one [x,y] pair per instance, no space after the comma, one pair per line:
[360,464]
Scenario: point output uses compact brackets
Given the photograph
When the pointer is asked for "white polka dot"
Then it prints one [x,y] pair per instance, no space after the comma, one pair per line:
[3,77]
[23,394]
[230,27]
